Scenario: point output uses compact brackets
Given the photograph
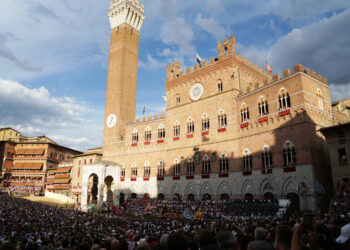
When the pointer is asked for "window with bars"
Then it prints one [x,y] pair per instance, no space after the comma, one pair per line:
[147,170]
[223,162]
[148,135]
[176,169]
[161,133]
[266,158]
[222,120]
[176,130]
[206,165]
[135,137]
[244,114]
[284,100]
[190,166]
[205,123]
[289,156]
[161,170]
[263,107]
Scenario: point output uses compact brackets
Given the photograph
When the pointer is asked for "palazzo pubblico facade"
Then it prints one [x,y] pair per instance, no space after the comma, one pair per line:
[230,129]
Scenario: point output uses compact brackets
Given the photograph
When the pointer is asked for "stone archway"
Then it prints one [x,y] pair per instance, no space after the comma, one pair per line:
[92,195]
[269,196]
[161,196]
[121,198]
[206,197]
[248,196]
[294,202]
[108,189]
[190,197]
[224,197]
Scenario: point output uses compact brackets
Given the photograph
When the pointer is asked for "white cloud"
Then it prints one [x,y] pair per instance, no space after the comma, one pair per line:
[152,63]
[36,112]
[321,46]
[339,92]
[211,27]
[180,33]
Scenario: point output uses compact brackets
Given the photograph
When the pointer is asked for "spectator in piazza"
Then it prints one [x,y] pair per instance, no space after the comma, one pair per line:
[344,238]
[283,239]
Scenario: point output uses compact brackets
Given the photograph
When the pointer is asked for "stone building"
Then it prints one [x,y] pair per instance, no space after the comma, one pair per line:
[230,130]
[338,139]
[26,161]
[92,156]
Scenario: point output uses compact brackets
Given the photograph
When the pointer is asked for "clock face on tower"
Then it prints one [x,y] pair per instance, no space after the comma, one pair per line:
[111,120]
[196,91]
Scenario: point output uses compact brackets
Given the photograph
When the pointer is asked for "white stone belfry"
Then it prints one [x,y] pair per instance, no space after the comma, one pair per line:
[126,11]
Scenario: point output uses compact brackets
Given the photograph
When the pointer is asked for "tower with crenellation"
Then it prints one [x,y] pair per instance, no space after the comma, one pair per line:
[126,18]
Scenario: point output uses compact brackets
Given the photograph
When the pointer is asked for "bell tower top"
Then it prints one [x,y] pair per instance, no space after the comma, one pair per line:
[126,11]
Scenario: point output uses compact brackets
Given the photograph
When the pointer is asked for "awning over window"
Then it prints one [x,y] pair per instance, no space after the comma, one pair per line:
[62,180]
[63,170]
[28,166]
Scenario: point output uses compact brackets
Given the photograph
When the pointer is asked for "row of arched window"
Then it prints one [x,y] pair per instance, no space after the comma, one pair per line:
[263,110]
[288,153]
[222,121]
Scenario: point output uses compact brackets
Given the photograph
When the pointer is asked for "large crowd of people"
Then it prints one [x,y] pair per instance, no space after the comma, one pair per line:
[153,224]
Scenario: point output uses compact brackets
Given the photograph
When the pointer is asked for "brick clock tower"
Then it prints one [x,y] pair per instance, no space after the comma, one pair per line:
[126,18]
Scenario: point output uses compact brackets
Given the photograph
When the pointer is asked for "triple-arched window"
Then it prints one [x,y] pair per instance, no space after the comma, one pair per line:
[206,165]
[247,160]
[161,170]
[176,129]
[176,168]
[244,113]
[266,157]
[263,106]
[190,166]
[161,132]
[289,154]
[147,169]
[190,125]
[148,134]
[223,162]
[133,170]
[205,122]
[135,136]
[283,99]
[222,120]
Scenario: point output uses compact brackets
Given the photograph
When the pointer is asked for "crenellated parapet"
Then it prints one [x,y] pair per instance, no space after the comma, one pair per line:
[149,118]
[226,51]
[277,77]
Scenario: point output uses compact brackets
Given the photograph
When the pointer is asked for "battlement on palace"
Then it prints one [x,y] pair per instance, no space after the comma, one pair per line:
[226,49]
[149,118]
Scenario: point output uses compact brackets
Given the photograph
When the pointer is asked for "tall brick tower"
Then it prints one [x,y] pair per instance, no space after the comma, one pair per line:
[126,18]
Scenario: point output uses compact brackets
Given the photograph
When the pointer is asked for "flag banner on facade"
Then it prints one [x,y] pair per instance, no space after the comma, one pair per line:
[268,68]
[199,59]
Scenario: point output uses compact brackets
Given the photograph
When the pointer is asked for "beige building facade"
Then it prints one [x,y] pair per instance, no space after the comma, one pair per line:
[338,139]
[230,129]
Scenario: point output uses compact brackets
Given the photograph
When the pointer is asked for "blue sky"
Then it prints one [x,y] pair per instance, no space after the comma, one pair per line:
[54,54]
